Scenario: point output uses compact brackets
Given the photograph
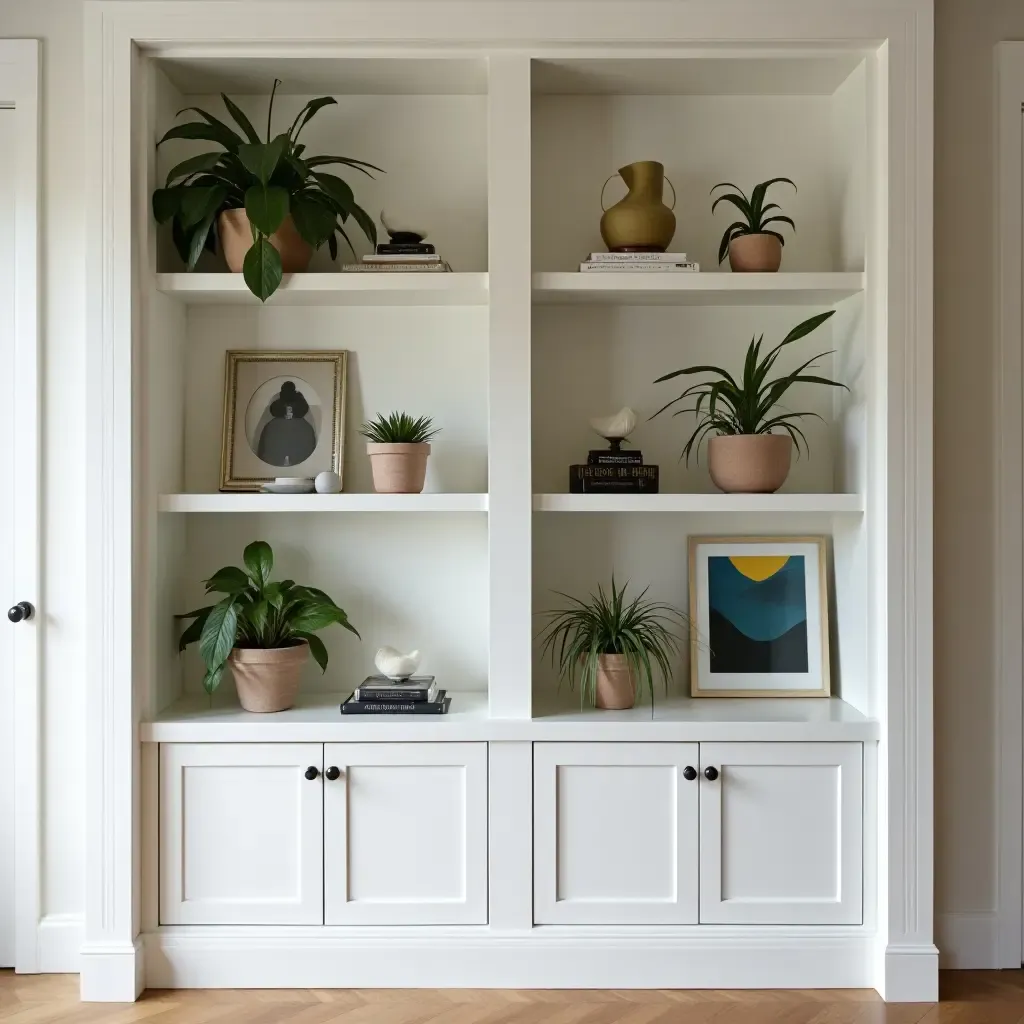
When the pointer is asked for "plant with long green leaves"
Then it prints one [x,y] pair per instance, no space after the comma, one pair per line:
[269,179]
[399,428]
[749,405]
[755,213]
[644,631]
[259,613]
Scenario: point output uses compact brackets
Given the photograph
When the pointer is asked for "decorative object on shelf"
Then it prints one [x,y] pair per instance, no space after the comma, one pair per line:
[625,478]
[394,665]
[405,253]
[752,442]
[270,201]
[414,688]
[640,221]
[613,644]
[399,446]
[289,485]
[327,482]
[615,429]
[762,603]
[282,410]
[439,705]
[749,243]
[264,630]
[404,236]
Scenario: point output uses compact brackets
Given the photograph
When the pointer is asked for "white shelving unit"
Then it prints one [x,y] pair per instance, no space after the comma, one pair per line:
[718,504]
[241,502]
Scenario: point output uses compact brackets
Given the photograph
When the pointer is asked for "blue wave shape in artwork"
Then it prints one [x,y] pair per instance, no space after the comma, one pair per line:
[762,610]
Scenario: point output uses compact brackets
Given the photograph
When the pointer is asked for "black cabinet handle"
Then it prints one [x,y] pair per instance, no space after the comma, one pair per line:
[311,773]
[332,773]
[689,773]
[22,610]
[710,773]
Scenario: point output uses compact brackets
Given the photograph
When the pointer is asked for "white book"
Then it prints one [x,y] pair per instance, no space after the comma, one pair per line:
[637,257]
[402,258]
[639,268]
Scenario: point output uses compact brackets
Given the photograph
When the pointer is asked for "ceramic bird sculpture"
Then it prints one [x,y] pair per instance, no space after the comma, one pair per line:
[394,664]
[615,429]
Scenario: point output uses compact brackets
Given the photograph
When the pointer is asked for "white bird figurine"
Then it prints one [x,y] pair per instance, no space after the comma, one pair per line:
[617,427]
[394,664]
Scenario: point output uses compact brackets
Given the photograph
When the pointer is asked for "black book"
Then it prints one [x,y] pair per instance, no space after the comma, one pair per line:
[381,688]
[613,479]
[440,706]
[405,249]
[606,457]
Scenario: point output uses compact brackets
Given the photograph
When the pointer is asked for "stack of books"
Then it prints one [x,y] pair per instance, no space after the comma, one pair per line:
[392,257]
[378,695]
[638,262]
[613,472]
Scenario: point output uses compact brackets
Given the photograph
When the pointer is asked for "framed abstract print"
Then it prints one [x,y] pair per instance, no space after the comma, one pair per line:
[759,617]
[284,415]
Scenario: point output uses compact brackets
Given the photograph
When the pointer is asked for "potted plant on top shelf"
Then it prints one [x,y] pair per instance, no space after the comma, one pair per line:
[750,243]
[398,446]
[270,202]
[264,630]
[752,438]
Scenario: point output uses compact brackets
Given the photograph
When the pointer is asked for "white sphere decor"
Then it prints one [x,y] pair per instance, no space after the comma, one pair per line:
[327,482]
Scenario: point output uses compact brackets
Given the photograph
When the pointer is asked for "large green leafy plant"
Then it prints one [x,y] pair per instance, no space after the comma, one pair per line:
[269,179]
[755,213]
[257,612]
[750,404]
[641,630]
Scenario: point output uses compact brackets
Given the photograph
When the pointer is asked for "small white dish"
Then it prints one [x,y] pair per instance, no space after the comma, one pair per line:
[289,485]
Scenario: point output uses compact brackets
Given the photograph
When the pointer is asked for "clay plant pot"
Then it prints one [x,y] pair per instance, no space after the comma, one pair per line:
[750,463]
[236,240]
[398,468]
[616,683]
[268,680]
[757,254]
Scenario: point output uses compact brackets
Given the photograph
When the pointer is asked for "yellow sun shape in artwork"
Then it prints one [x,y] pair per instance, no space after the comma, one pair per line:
[759,567]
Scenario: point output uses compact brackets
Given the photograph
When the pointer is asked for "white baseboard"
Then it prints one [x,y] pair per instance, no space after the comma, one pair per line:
[60,943]
[968,941]
[910,974]
[112,972]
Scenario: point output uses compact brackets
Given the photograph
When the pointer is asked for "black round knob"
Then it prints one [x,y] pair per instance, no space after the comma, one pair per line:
[22,610]
[710,773]
[312,773]
[689,773]
[332,773]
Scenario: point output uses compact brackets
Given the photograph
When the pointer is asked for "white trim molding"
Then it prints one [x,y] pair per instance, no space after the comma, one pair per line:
[60,943]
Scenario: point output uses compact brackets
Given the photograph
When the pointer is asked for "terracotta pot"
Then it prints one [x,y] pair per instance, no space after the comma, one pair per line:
[616,684]
[236,240]
[750,463]
[268,680]
[398,468]
[640,222]
[759,254]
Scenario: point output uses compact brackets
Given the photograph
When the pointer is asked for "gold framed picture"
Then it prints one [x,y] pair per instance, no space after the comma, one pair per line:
[759,617]
[284,415]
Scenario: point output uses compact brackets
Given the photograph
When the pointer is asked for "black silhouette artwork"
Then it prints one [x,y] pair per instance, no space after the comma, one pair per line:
[288,437]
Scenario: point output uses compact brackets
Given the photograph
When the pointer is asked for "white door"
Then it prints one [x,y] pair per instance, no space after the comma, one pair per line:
[405,833]
[19,496]
[241,833]
[615,833]
[781,828]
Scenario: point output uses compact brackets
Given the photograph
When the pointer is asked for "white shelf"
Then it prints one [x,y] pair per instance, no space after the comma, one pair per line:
[316,719]
[718,503]
[249,502]
[337,289]
[703,289]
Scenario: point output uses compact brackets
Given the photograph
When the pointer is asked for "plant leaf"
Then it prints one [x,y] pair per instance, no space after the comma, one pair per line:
[219,633]
[199,130]
[229,580]
[260,158]
[202,162]
[313,221]
[166,203]
[240,119]
[358,165]
[305,115]
[316,648]
[259,561]
[266,207]
[261,269]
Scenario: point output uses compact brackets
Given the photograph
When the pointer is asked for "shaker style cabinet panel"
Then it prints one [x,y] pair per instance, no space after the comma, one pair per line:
[615,833]
[241,833]
[781,833]
[405,833]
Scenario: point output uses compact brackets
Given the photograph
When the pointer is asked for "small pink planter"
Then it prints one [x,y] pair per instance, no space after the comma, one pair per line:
[750,463]
[268,679]
[398,468]
[236,240]
[758,254]
[616,684]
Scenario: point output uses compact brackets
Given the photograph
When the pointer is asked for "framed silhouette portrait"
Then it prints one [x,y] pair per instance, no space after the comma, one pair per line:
[284,415]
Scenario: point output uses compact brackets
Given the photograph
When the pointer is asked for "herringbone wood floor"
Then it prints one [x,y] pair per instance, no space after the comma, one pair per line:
[969,997]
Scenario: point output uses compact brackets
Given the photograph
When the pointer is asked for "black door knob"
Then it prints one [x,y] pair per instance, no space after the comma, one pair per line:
[22,610]
[689,773]
[312,773]
[710,773]
[333,772]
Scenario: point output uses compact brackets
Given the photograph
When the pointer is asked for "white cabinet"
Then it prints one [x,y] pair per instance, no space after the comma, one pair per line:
[405,830]
[615,833]
[781,833]
[241,833]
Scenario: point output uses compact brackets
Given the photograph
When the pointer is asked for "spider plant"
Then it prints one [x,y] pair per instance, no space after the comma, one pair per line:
[643,631]
[399,428]
[269,179]
[754,210]
[749,405]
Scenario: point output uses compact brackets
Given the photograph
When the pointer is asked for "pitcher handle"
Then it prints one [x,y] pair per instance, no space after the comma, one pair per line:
[673,206]
[604,209]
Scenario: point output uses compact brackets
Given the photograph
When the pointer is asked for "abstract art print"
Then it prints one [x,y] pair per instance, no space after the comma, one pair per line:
[284,415]
[759,614]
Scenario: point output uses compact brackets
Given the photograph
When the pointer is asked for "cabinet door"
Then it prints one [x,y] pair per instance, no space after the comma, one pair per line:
[241,833]
[405,833]
[781,833]
[615,833]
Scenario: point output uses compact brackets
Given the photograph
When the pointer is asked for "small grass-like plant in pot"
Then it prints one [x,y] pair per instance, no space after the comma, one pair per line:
[612,646]
[264,630]
[751,436]
[399,446]
[750,243]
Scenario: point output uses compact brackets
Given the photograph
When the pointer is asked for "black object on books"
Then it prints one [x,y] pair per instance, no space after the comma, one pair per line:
[416,688]
[607,457]
[613,479]
[440,706]
[405,249]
